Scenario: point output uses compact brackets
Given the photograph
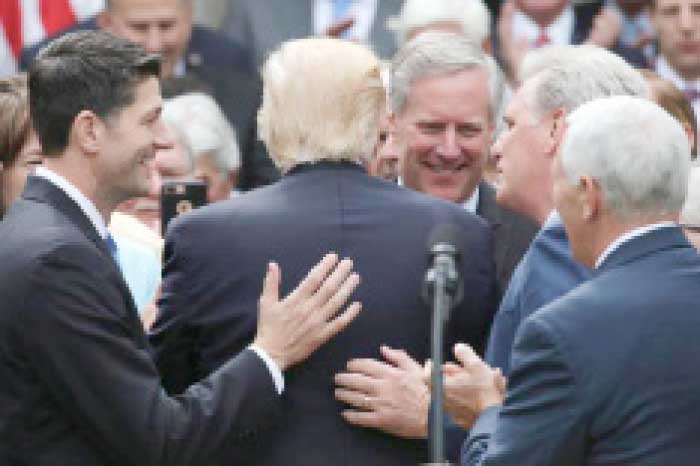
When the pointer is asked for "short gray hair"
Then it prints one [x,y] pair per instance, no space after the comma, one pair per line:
[637,152]
[691,208]
[471,15]
[206,128]
[439,53]
[569,76]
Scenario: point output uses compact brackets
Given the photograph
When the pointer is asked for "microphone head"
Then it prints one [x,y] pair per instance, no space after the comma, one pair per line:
[446,238]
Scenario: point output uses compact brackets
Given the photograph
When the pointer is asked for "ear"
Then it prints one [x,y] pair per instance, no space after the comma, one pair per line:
[590,198]
[556,131]
[233,178]
[87,132]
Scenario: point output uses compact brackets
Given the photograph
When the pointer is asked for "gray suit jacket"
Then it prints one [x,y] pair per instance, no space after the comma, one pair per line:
[261,26]
[512,233]
[606,375]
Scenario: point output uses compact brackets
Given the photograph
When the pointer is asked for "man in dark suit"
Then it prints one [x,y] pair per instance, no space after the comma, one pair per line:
[223,65]
[325,198]
[567,403]
[445,105]
[79,386]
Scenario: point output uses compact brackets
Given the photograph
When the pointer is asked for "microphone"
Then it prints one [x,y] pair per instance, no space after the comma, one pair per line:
[445,249]
[442,290]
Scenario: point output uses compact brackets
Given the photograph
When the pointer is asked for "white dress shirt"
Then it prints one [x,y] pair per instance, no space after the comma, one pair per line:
[472,203]
[629,236]
[88,207]
[559,31]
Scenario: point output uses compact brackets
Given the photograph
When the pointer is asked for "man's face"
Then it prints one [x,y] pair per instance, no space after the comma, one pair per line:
[677,24]
[171,163]
[522,162]
[159,26]
[219,185]
[14,176]
[129,143]
[444,132]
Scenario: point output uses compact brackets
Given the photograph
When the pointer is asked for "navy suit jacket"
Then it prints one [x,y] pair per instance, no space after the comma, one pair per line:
[79,386]
[605,375]
[215,258]
[226,70]
[546,272]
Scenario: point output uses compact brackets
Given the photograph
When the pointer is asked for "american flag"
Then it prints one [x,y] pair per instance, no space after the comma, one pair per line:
[26,22]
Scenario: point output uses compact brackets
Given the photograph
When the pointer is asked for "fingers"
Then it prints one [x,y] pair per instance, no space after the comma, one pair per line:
[354,399]
[336,283]
[271,284]
[340,296]
[465,354]
[313,280]
[356,382]
[361,418]
[399,358]
[331,328]
[370,367]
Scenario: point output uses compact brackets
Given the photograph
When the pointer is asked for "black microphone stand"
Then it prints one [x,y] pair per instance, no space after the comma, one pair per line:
[441,284]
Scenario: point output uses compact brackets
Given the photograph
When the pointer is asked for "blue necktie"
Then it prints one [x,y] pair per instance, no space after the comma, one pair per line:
[112,248]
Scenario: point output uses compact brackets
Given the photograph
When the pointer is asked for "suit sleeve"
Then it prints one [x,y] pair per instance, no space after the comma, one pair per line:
[541,422]
[97,367]
[174,336]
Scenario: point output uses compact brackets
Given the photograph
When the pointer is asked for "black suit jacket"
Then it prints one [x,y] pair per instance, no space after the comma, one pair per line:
[606,375]
[512,233]
[79,386]
[226,70]
[214,262]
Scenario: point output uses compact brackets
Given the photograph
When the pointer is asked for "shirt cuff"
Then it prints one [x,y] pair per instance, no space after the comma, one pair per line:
[275,371]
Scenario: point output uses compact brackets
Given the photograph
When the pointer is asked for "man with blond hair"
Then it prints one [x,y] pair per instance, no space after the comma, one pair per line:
[322,99]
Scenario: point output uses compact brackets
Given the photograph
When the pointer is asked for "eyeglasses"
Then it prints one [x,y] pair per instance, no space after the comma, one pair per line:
[692,227]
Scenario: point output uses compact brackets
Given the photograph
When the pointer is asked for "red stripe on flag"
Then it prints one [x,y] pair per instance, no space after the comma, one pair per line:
[11,20]
[56,15]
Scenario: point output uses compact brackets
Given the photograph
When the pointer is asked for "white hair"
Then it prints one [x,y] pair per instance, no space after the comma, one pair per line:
[568,76]
[691,208]
[636,151]
[471,15]
[440,53]
[322,99]
[206,129]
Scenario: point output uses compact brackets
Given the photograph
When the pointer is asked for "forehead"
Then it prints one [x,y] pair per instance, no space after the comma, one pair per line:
[675,3]
[148,9]
[147,98]
[460,95]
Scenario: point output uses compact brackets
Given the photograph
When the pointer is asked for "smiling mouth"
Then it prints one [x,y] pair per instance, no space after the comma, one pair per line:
[444,169]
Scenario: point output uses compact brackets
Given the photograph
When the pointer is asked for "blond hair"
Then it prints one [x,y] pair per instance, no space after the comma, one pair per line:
[322,99]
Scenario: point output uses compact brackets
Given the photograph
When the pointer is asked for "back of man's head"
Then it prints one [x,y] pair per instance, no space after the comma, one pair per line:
[566,77]
[322,99]
[92,71]
[441,53]
[635,150]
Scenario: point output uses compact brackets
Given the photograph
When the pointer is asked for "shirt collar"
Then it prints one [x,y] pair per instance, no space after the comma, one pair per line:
[664,69]
[630,235]
[79,198]
[553,220]
[559,31]
[471,204]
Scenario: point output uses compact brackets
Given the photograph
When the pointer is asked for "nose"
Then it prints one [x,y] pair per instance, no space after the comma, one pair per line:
[497,150]
[164,138]
[449,149]
[154,41]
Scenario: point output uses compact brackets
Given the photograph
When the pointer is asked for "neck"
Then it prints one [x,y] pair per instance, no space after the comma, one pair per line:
[544,19]
[610,229]
[79,174]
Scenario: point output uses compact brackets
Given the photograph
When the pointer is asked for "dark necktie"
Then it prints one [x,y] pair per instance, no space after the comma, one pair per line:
[112,248]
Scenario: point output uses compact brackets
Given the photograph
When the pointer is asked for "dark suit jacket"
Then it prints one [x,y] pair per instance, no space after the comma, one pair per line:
[226,70]
[606,374]
[214,263]
[512,233]
[79,386]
